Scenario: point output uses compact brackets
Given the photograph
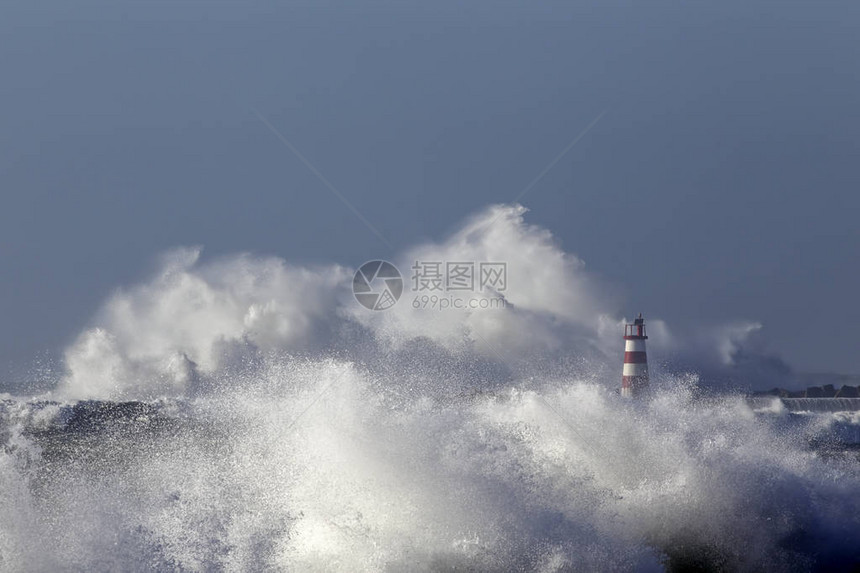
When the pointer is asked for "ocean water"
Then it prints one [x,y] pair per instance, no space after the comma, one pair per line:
[245,414]
[322,465]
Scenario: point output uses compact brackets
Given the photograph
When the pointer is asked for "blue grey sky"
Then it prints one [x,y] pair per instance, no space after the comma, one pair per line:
[721,183]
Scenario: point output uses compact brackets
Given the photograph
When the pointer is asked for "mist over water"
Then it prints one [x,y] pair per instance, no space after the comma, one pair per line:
[281,426]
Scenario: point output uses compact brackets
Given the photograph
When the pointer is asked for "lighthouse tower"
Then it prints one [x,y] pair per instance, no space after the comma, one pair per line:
[635,375]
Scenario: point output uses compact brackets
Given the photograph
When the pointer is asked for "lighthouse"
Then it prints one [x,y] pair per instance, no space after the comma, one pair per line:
[634,378]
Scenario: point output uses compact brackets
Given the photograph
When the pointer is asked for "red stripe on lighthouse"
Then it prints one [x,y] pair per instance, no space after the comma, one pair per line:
[635,357]
[630,381]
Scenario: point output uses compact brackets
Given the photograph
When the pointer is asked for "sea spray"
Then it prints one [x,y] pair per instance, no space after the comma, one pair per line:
[244,413]
[309,465]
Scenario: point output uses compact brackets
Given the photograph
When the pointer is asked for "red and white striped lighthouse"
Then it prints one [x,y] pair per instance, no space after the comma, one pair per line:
[634,379]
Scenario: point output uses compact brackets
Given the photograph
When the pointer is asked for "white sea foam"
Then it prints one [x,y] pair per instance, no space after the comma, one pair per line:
[314,465]
[195,318]
[291,429]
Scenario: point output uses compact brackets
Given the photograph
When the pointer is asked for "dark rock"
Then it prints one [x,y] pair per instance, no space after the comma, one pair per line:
[848,392]
[815,392]
[92,415]
[772,392]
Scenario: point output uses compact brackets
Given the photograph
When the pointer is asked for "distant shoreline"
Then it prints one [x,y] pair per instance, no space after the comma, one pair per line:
[825,391]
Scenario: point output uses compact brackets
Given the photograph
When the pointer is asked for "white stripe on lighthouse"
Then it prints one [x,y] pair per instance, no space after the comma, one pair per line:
[631,369]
